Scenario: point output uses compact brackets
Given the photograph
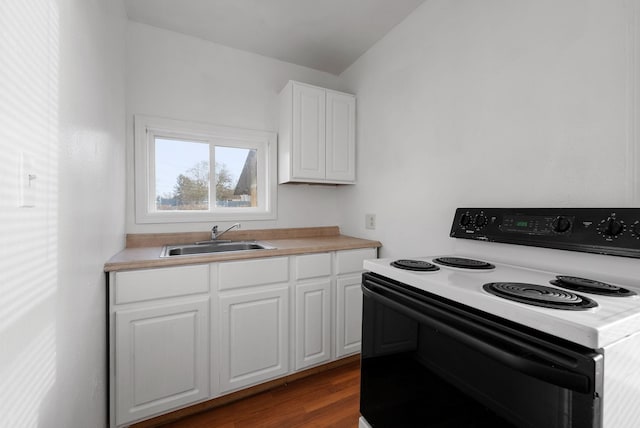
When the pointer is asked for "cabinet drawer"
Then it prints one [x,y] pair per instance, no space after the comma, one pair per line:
[248,273]
[351,261]
[313,265]
[148,284]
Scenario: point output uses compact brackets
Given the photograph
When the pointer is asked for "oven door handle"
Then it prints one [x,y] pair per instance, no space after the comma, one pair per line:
[545,369]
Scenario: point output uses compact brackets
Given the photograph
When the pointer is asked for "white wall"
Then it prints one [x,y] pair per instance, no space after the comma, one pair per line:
[181,77]
[62,104]
[493,103]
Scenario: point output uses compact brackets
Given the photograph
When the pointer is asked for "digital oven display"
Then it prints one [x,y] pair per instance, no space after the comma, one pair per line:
[529,225]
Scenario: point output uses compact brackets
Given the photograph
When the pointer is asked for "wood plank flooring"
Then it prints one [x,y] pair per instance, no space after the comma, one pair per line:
[329,399]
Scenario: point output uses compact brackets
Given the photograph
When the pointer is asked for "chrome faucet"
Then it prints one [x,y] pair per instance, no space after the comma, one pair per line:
[214,231]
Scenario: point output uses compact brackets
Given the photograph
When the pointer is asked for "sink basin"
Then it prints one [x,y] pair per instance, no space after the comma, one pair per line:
[213,247]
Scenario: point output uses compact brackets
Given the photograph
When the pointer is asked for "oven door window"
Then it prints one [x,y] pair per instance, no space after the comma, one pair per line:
[415,374]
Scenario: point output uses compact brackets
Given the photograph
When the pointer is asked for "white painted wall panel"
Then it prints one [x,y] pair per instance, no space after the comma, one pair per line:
[62,85]
[181,77]
[493,103]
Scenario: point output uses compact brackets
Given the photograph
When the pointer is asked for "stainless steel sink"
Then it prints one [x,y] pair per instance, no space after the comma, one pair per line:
[213,247]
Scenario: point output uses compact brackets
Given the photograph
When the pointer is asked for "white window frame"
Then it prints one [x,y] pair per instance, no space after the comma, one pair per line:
[148,128]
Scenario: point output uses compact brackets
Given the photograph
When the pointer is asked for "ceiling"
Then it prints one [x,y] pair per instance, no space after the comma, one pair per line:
[327,35]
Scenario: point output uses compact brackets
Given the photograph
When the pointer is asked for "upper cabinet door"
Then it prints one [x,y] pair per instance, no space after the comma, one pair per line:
[316,135]
[308,132]
[341,137]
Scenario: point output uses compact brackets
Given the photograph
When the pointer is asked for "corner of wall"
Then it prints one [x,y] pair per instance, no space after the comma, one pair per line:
[633,82]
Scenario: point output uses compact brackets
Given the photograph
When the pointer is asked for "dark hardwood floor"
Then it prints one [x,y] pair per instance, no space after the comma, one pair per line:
[323,400]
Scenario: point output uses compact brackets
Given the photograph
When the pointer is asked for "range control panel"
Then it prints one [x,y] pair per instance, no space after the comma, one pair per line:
[614,231]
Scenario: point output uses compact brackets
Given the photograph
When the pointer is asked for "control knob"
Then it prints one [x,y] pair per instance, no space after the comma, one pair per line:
[635,229]
[465,219]
[611,227]
[561,224]
[480,221]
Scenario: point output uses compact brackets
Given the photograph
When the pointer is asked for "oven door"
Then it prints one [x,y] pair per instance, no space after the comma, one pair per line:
[428,362]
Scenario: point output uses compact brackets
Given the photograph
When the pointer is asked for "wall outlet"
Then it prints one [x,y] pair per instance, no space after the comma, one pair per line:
[370,221]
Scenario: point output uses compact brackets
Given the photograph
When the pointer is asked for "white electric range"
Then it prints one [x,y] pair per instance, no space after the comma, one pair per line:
[544,321]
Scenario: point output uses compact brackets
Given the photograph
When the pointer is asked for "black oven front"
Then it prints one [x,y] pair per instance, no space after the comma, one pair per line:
[428,362]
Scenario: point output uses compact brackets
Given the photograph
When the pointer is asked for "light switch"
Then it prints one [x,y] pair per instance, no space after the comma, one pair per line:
[27,180]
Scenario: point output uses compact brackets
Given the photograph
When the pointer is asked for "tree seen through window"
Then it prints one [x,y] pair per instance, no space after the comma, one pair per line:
[234,177]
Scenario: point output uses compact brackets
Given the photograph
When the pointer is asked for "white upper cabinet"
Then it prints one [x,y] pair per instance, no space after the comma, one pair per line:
[340,137]
[308,132]
[316,135]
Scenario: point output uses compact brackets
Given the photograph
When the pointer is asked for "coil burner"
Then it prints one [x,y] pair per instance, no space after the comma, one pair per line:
[463,263]
[415,265]
[590,286]
[539,295]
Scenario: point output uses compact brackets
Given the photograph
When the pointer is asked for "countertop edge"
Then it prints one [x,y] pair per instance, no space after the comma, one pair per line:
[149,257]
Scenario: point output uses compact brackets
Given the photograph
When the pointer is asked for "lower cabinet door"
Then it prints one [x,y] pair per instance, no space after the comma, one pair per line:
[348,315]
[254,334]
[161,355]
[312,323]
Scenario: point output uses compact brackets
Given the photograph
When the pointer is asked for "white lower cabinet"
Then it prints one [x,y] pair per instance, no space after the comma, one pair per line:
[162,357]
[254,336]
[348,268]
[159,341]
[348,315]
[185,334]
[312,323]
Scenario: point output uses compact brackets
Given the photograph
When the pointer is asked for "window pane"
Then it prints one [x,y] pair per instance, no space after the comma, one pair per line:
[182,175]
[236,177]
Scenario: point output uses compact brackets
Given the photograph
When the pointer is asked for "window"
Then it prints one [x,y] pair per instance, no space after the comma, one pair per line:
[189,172]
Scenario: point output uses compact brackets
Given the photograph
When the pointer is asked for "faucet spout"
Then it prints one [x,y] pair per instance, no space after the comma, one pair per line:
[214,231]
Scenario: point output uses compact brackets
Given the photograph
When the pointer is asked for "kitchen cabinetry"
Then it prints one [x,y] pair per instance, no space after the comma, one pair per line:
[185,334]
[316,135]
[160,337]
[312,310]
[349,299]
[254,321]
[254,337]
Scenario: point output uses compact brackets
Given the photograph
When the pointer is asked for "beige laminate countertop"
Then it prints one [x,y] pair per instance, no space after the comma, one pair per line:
[143,251]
